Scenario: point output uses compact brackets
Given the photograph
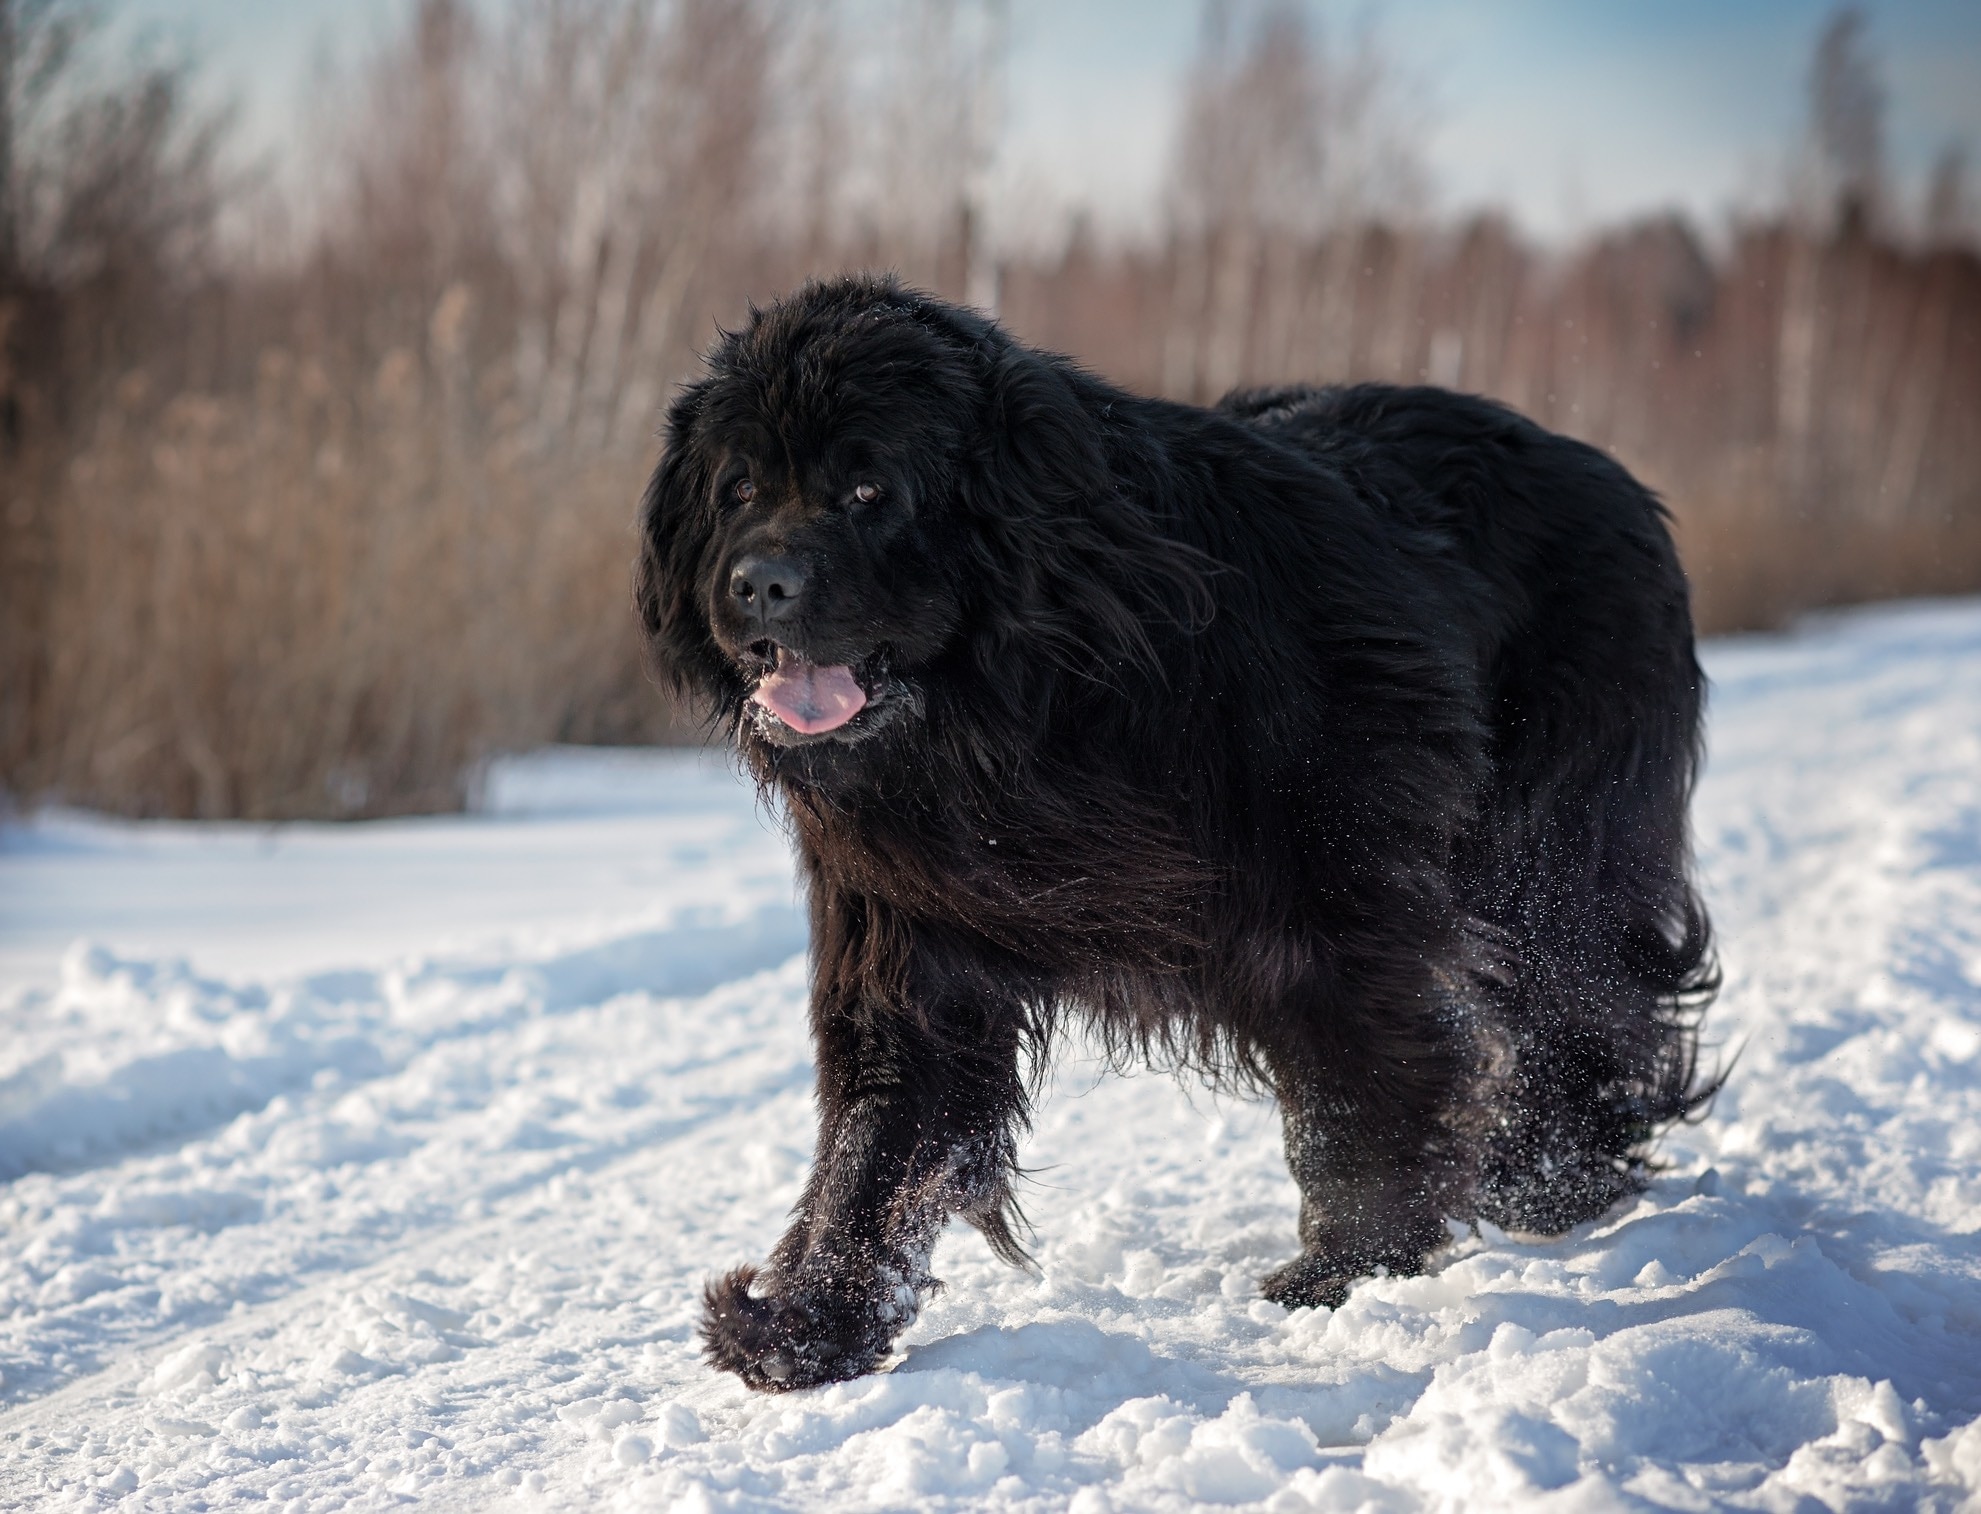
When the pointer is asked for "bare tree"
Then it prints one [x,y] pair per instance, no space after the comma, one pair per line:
[38,44]
[406,153]
[9,36]
[103,169]
[1282,130]
[632,136]
[1949,217]
[1847,121]
[108,202]
[931,116]
[1282,139]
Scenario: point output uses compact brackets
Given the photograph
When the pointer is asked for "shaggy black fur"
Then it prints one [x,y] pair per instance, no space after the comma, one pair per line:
[1336,740]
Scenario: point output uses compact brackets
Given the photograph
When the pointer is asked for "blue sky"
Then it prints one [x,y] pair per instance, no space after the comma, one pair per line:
[1568,112]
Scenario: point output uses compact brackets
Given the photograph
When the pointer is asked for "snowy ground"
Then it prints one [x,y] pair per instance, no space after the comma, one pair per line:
[352,1167]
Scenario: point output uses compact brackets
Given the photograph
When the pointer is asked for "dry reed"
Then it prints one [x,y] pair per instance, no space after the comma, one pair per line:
[340,525]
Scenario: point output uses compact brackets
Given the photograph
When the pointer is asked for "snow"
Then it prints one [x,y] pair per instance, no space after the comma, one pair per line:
[352,1166]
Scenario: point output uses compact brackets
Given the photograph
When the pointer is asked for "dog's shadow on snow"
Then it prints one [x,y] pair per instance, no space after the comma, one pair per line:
[1090,1369]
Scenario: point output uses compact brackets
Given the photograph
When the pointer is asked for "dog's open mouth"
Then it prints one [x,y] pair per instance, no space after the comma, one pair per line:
[808,697]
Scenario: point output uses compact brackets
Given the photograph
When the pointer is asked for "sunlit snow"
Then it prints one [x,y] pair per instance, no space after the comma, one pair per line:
[343,1167]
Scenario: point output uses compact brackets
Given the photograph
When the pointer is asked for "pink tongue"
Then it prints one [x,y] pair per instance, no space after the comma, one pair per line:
[809,698]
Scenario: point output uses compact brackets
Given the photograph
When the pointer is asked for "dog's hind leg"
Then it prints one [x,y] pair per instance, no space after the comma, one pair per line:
[1368,1102]
[1613,960]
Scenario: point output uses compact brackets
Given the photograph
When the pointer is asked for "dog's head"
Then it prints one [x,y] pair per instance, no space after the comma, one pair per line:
[872,496]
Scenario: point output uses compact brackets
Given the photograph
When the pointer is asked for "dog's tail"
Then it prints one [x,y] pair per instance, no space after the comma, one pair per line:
[1681,972]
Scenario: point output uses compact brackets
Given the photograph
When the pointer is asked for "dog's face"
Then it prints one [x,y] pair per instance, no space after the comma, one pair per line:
[879,513]
[801,554]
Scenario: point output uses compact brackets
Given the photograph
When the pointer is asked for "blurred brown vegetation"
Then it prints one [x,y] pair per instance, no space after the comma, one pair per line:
[308,521]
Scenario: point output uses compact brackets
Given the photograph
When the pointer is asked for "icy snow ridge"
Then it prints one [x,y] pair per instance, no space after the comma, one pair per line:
[435,1228]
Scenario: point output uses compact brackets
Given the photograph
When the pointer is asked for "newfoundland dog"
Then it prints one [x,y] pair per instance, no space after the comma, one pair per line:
[1332,741]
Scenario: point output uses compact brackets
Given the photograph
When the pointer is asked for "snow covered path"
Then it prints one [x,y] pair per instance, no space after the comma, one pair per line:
[400,1182]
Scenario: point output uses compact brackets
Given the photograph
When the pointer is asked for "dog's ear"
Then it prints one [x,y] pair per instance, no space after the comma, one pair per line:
[676,518]
[1046,449]
[1093,567]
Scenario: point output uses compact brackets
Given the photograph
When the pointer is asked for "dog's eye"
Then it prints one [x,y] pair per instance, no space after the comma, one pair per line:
[866,494]
[745,491]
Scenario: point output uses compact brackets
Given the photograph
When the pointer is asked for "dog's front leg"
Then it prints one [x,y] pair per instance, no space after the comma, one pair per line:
[917,1105]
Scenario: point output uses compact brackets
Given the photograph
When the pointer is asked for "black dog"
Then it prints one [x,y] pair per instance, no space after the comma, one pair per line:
[1333,740]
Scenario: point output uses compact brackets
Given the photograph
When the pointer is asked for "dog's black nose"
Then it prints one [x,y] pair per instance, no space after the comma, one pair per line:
[767,588]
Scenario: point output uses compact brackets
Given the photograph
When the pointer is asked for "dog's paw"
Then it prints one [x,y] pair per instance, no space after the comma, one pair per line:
[1309,1281]
[779,1342]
